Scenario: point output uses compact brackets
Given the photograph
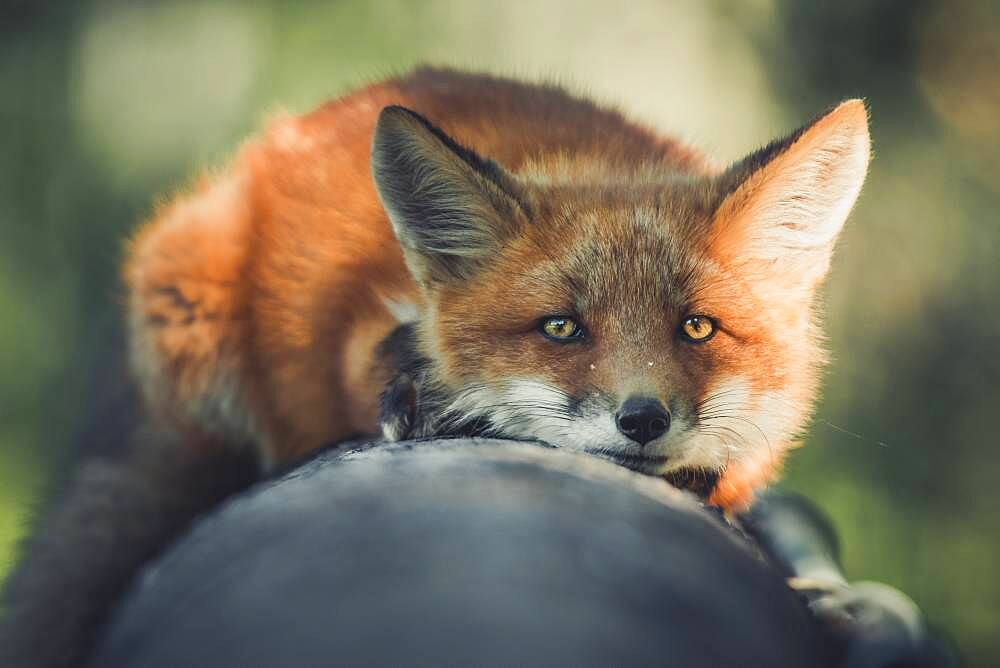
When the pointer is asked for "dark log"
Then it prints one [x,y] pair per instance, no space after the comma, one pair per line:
[462,552]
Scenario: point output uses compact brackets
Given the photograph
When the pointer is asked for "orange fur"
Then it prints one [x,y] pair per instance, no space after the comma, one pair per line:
[256,301]
[187,307]
[297,223]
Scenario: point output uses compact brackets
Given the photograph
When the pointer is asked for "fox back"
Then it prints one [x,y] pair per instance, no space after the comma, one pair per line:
[537,265]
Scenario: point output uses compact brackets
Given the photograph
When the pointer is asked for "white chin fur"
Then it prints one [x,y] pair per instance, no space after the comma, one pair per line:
[737,425]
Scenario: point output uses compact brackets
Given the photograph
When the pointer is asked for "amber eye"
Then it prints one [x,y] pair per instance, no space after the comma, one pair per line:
[560,328]
[698,328]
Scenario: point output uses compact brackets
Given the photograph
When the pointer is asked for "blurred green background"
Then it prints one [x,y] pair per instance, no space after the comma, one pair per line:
[106,105]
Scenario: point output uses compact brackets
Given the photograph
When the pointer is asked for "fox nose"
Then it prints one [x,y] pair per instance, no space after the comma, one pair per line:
[643,419]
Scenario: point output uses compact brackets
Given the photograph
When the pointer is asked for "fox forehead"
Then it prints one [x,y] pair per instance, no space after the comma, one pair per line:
[636,260]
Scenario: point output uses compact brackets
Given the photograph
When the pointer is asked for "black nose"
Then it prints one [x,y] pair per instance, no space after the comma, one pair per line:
[643,419]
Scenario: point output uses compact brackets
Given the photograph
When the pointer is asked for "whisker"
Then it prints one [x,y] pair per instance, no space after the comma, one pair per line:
[851,433]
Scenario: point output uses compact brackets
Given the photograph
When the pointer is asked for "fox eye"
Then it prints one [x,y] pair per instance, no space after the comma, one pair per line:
[698,328]
[560,328]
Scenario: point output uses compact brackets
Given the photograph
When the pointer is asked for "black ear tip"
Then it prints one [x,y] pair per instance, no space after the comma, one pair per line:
[393,125]
[396,116]
[396,111]
[397,125]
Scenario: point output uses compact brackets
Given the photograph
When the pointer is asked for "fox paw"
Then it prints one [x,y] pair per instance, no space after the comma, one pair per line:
[398,409]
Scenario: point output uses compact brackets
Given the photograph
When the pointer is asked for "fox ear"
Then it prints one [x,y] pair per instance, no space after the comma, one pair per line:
[785,205]
[450,208]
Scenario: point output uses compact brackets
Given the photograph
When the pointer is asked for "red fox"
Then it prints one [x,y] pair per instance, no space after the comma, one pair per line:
[450,253]
[527,263]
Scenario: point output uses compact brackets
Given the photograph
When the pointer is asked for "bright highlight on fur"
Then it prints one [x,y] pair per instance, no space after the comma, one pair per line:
[424,235]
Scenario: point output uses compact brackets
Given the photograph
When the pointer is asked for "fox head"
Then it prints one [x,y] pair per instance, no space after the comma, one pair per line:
[656,318]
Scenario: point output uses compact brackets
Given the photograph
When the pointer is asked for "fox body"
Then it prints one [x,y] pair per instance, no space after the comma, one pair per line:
[448,253]
[478,211]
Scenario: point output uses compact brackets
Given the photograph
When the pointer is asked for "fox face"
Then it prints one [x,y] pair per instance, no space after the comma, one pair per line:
[660,320]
